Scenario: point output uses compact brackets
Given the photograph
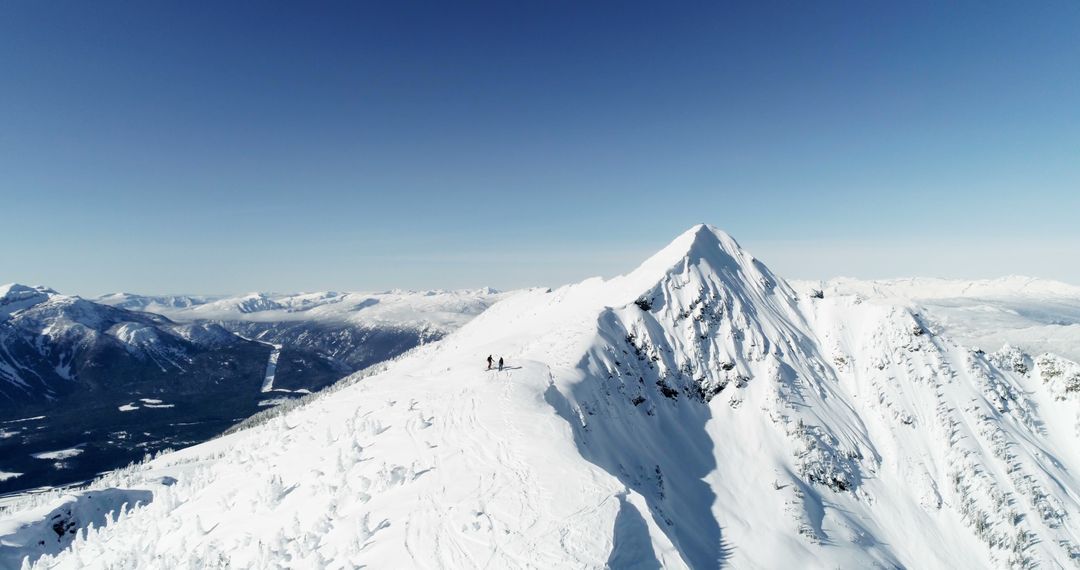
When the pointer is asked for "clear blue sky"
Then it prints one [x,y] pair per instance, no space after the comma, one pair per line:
[234,146]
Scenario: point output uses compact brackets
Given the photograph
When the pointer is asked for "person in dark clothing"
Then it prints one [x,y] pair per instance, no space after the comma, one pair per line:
[490,360]
[500,363]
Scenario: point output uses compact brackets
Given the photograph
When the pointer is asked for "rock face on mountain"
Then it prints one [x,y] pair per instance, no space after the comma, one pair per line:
[695,413]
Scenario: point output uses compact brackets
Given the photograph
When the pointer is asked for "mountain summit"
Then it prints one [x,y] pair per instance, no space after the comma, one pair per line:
[15,297]
[700,243]
[693,413]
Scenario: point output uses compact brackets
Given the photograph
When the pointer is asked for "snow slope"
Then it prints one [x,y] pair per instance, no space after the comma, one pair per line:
[694,413]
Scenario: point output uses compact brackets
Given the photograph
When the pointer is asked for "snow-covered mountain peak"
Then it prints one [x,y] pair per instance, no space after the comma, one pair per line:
[705,275]
[16,296]
[709,253]
[15,291]
[255,302]
[701,243]
[135,302]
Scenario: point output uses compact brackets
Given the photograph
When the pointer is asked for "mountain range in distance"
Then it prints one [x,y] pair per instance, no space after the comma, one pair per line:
[103,382]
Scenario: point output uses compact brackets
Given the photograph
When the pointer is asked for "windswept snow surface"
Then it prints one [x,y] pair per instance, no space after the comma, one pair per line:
[694,413]
[52,528]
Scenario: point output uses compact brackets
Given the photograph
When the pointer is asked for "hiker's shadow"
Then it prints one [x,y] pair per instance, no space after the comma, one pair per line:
[510,368]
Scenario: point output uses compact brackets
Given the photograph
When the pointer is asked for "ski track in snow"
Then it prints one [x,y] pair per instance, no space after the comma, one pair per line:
[271,367]
[271,362]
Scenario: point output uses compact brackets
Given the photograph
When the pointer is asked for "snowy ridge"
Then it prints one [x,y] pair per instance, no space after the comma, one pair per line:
[694,413]
[1036,315]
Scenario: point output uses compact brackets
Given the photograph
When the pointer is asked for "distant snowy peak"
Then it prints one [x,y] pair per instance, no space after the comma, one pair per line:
[16,297]
[256,302]
[62,311]
[11,292]
[149,302]
[206,334]
[54,345]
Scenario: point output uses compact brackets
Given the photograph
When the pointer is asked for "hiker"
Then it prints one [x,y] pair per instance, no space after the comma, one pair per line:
[489,362]
[500,363]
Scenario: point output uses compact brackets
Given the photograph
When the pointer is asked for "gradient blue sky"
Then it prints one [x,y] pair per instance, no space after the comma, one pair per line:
[234,146]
